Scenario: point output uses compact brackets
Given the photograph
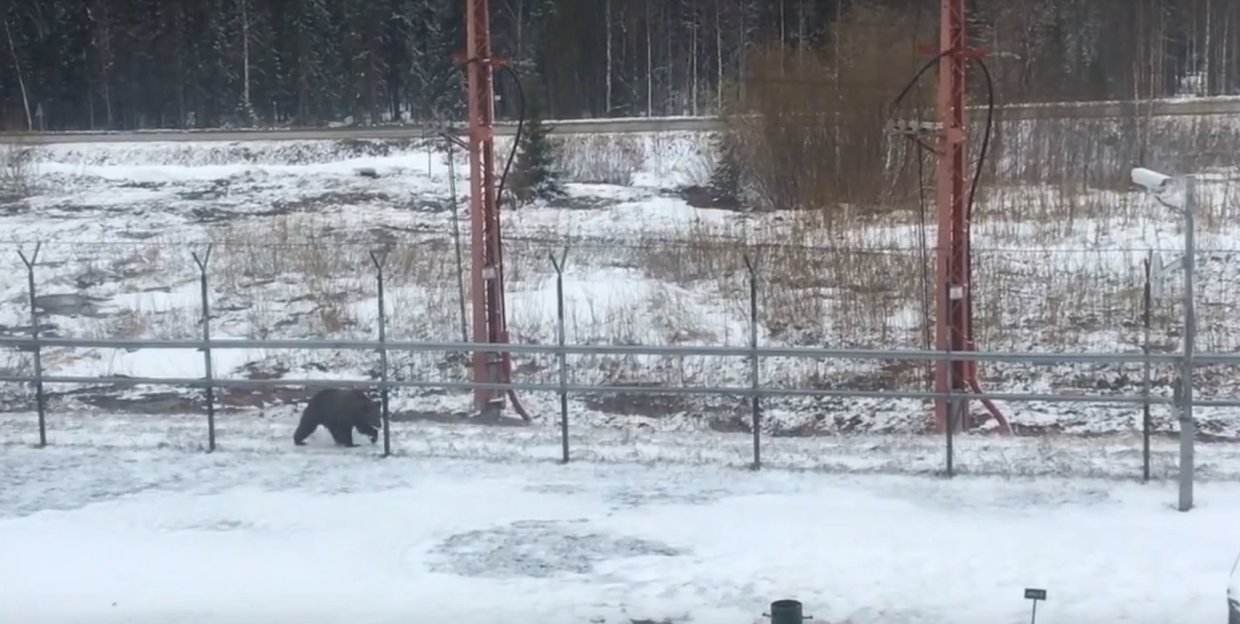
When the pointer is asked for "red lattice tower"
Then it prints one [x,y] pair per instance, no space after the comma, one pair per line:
[954,296]
[487,268]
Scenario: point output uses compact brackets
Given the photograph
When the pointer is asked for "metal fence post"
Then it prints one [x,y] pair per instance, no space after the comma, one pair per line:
[754,376]
[561,356]
[1147,297]
[206,345]
[40,397]
[1187,425]
[379,261]
[952,408]
[456,238]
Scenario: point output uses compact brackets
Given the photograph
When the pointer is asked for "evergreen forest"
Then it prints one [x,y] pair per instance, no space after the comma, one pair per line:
[128,64]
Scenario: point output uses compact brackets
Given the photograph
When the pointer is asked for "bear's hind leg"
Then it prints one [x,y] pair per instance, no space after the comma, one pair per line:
[342,435]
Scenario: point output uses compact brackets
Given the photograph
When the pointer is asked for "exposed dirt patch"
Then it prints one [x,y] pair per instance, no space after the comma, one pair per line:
[227,400]
[453,418]
[137,234]
[46,330]
[1035,431]
[578,202]
[262,370]
[739,421]
[73,211]
[799,430]
[302,205]
[12,203]
[69,304]
[889,377]
[216,190]
[640,404]
[263,397]
[150,186]
[331,199]
[215,215]
[845,424]
[154,403]
[704,197]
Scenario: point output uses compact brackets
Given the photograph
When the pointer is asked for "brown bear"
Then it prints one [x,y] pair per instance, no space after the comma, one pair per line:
[340,412]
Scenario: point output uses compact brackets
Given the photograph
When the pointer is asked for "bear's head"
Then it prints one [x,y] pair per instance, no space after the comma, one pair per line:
[371,412]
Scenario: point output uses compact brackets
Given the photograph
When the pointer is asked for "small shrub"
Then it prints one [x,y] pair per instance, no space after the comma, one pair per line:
[536,174]
[599,159]
[16,171]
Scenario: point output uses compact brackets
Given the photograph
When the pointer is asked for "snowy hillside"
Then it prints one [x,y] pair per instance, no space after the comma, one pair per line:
[292,224]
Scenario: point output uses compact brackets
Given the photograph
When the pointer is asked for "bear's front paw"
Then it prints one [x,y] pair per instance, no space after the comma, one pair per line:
[374,438]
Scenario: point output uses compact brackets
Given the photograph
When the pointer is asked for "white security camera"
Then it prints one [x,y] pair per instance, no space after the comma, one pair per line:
[1153,181]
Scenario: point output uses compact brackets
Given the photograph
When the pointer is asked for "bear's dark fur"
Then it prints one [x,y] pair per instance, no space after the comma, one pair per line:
[340,411]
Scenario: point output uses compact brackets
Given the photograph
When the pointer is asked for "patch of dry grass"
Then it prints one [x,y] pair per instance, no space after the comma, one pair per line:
[17,169]
[599,158]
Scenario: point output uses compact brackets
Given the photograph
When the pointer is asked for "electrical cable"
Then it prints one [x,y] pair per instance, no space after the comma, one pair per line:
[981,163]
[977,176]
[920,173]
[499,194]
[913,81]
[923,247]
[516,140]
[891,110]
[512,153]
[985,147]
[984,150]
[927,295]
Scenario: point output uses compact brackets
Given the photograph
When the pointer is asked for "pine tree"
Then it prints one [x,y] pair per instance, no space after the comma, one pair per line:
[311,55]
[725,179]
[536,174]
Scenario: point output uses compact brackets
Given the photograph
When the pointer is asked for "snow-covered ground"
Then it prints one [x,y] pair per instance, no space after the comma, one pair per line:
[102,535]
[447,434]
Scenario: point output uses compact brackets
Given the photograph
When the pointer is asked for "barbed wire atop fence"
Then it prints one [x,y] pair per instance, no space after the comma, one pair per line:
[737,245]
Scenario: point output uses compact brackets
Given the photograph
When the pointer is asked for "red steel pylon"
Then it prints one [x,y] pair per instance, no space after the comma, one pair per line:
[954,297]
[487,267]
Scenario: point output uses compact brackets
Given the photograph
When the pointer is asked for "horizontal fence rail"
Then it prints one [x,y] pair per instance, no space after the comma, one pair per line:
[630,350]
[716,351]
[200,382]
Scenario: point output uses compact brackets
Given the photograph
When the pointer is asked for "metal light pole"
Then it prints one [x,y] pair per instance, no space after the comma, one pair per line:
[1157,184]
[1188,427]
